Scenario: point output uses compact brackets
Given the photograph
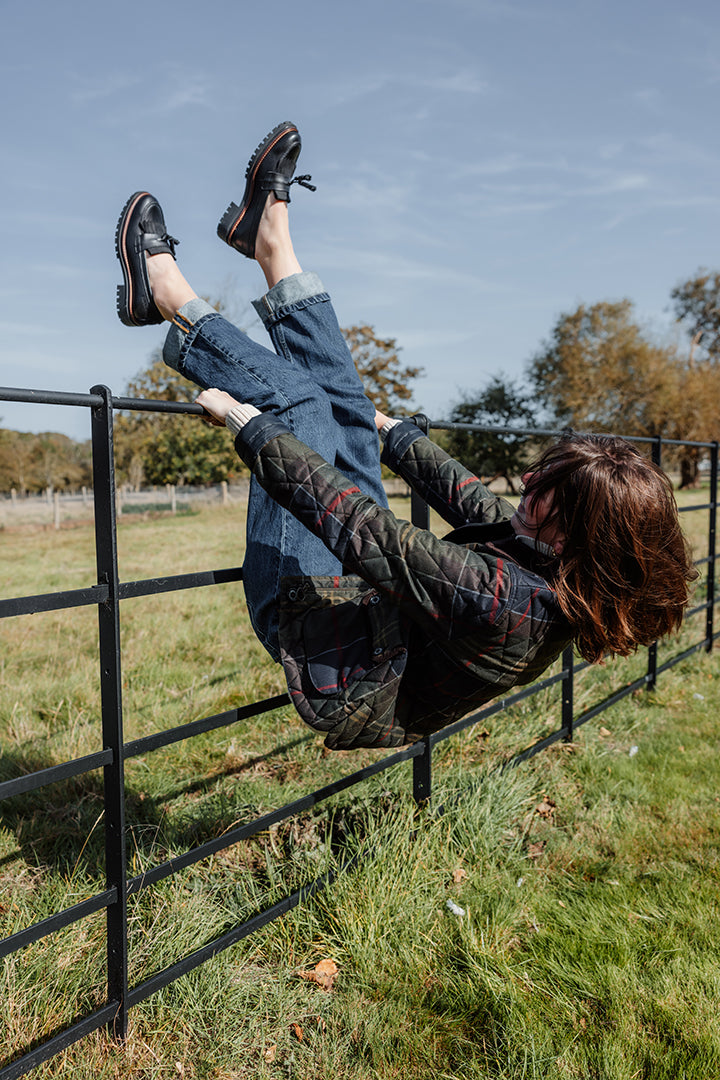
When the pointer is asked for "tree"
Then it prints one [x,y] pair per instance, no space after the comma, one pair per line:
[377,360]
[30,462]
[599,370]
[158,448]
[697,413]
[697,306]
[492,455]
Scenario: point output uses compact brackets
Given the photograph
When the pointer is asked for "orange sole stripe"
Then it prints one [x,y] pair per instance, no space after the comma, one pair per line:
[123,249]
[254,174]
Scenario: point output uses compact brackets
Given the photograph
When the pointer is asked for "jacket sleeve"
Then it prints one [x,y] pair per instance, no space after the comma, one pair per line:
[452,490]
[445,587]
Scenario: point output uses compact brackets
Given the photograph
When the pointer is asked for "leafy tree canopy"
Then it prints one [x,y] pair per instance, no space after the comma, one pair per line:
[599,370]
[697,307]
[157,448]
[386,381]
[33,462]
[492,455]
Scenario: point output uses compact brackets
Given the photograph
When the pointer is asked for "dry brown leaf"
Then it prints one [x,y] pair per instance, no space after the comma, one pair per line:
[323,974]
[536,850]
[296,1030]
[546,808]
[459,875]
[561,903]
[270,1053]
[605,731]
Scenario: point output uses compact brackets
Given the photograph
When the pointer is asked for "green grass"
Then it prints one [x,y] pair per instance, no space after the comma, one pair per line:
[588,877]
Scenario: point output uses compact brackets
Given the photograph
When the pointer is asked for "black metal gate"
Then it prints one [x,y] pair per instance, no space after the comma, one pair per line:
[106,596]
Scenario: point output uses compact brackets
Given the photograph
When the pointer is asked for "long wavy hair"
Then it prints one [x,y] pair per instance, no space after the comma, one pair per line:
[623,576]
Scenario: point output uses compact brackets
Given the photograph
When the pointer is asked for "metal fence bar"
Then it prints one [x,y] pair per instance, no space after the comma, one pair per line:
[498,705]
[552,433]
[34,780]
[679,657]
[111,703]
[610,700]
[129,590]
[31,605]
[199,727]
[59,1042]
[57,922]
[49,397]
[694,506]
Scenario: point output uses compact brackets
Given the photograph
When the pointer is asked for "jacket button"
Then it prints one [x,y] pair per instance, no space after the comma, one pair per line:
[377,652]
[375,600]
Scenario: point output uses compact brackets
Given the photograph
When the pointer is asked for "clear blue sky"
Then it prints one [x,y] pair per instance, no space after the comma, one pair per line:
[482,166]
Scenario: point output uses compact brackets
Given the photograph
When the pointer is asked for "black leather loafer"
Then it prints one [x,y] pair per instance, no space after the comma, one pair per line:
[141,229]
[270,169]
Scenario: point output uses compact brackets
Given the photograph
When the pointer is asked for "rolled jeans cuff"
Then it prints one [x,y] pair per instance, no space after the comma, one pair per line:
[183,322]
[290,294]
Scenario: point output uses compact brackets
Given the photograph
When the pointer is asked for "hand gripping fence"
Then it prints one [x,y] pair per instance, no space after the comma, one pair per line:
[106,595]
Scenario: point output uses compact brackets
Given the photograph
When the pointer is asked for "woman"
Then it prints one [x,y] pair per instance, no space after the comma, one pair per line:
[385,632]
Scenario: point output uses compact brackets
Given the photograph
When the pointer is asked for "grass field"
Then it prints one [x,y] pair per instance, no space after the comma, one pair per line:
[588,879]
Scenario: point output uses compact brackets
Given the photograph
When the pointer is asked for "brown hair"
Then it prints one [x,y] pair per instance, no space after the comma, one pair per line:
[622,579]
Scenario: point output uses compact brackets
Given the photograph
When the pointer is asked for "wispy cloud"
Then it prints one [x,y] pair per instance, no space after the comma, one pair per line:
[460,82]
[649,97]
[192,90]
[109,85]
[398,267]
[441,339]
[464,80]
[164,91]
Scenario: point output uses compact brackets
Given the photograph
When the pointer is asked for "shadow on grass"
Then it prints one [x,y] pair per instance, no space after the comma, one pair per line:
[60,826]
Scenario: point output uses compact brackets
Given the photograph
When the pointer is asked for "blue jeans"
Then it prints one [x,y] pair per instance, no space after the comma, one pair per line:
[309,382]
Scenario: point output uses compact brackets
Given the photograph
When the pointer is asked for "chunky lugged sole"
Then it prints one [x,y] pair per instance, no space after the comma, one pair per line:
[235,214]
[125,294]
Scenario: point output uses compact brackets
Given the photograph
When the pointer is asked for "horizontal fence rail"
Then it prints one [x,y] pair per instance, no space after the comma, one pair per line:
[107,594]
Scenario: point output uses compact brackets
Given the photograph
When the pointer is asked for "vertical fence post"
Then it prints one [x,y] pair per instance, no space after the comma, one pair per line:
[710,616]
[651,676]
[422,773]
[111,703]
[419,509]
[422,765]
[567,704]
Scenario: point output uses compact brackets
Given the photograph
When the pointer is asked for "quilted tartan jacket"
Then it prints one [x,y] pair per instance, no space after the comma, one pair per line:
[419,631]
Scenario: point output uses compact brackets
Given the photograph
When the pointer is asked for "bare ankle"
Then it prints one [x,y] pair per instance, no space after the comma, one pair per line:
[169,288]
[273,245]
